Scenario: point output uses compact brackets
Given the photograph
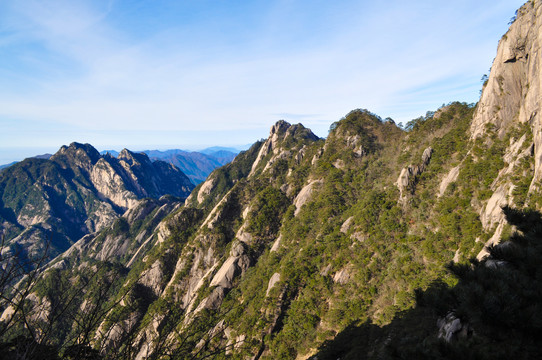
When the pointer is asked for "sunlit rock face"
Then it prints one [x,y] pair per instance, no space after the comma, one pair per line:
[512,92]
[76,192]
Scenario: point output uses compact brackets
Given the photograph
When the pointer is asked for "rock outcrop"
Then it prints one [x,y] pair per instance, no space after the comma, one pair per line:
[451,328]
[510,97]
[305,195]
[280,133]
[235,265]
[448,179]
[275,278]
[512,93]
[407,178]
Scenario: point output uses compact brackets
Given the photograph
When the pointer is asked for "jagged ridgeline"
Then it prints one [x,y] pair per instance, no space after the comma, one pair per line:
[46,205]
[327,248]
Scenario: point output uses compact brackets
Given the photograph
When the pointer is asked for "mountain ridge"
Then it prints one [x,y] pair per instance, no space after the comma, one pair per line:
[77,191]
[304,247]
[197,165]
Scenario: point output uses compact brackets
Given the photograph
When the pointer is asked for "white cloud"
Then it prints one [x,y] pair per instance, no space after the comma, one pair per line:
[79,66]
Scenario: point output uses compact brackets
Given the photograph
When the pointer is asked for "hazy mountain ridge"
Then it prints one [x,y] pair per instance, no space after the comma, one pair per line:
[2,167]
[43,156]
[301,241]
[197,165]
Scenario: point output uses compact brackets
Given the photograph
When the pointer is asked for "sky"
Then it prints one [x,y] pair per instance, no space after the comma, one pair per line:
[189,74]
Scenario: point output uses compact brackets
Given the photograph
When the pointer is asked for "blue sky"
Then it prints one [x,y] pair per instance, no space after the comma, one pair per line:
[191,74]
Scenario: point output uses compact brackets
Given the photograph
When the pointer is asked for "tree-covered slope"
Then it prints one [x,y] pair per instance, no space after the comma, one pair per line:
[299,238]
[493,312]
[295,239]
[335,247]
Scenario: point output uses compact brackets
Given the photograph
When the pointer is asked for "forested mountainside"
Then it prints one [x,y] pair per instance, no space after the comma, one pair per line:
[42,156]
[375,242]
[46,205]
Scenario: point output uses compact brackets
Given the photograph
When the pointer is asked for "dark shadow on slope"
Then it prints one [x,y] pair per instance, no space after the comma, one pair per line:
[494,312]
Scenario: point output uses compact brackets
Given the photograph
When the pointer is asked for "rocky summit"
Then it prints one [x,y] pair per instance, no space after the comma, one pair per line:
[48,204]
[377,242]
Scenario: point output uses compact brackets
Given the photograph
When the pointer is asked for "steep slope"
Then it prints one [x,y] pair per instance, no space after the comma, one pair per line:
[289,243]
[46,205]
[293,241]
[493,312]
[129,237]
[302,240]
[510,100]
[312,236]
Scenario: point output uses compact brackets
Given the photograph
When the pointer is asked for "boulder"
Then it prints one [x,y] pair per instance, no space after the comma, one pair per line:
[275,278]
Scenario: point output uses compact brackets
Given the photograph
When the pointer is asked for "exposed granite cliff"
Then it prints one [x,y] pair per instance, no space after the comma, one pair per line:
[512,92]
[77,191]
[510,97]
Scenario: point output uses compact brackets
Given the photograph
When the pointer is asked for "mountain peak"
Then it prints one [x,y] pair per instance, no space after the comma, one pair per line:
[283,138]
[279,127]
[74,146]
[511,91]
[133,158]
[511,94]
[125,153]
[283,129]
[77,151]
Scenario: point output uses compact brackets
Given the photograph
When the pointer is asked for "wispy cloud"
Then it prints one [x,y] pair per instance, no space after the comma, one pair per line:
[161,68]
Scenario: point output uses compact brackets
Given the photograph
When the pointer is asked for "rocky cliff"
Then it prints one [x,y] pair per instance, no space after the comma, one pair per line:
[47,205]
[305,247]
[511,98]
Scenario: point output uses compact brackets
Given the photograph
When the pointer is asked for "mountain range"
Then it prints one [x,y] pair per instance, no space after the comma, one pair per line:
[197,165]
[374,243]
[75,192]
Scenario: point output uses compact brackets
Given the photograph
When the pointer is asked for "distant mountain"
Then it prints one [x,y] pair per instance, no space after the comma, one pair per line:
[224,156]
[44,156]
[197,165]
[215,149]
[2,167]
[111,152]
[75,192]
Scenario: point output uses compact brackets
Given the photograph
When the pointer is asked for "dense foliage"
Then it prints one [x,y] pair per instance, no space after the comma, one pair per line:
[300,241]
[495,304]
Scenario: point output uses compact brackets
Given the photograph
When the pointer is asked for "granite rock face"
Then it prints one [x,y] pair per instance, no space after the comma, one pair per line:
[407,177]
[512,93]
[281,133]
[77,192]
[511,96]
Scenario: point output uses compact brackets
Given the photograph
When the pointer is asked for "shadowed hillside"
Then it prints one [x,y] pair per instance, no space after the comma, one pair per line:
[493,312]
